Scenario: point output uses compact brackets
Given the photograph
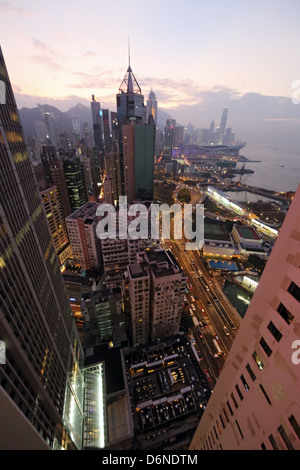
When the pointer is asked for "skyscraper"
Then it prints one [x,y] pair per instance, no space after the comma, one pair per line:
[130,101]
[97,116]
[99,145]
[155,288]
[54,174]
[36,323]
[255,404]
[152,107]
[81,226]
[75,182]
[223,125]
[169,138]
[50,198]
[136,141]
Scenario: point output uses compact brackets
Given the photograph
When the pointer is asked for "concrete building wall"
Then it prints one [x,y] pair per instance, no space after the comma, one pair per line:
[259,373]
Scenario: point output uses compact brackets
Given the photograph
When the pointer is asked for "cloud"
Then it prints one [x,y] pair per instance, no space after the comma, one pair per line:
[8,7]
[89,54]
[48,61]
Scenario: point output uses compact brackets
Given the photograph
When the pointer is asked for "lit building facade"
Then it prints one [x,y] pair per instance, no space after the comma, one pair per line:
[154,286]
[43,357]
[56,221]
[255,403]
[81,226]
[152,107]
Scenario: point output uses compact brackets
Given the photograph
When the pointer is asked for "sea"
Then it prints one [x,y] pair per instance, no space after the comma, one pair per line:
[278,169]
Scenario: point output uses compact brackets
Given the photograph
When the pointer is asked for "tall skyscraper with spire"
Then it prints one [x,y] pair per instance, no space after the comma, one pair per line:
[130,101]
[41,364]
[136,140]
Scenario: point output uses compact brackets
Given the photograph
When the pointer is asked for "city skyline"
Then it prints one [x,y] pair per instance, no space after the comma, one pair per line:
[149,268]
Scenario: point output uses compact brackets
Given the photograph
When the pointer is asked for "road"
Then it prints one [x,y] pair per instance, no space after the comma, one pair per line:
[206,301]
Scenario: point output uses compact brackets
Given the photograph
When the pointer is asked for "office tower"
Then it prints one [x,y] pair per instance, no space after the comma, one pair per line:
[178,135]
[129,160]
[54,174]
[76,127]
[98,149]
[255,404]
[211,132]
[40,131]
[87,135]
[41,370]
[75,182]
[51,133]
[97,117]
[107,193]
[81,226]
[223,125]
[130,109]
[227,139]
[169,138]
[114,130]
[112,174]
[152,107]
[130,101]
[144,149]
[51,203]
[87,173]
[154,286]
[106,131]
[64,142]
[96,171]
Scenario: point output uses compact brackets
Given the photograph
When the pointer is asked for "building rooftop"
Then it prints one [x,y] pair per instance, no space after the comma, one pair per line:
[87,212]
[165,383]
[114,380]
[215,230]
[249,233]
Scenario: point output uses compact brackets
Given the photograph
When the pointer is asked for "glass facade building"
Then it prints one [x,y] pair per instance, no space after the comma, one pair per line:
[36,322]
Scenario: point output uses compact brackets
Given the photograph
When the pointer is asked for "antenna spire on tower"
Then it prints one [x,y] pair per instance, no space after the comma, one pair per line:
[128,51]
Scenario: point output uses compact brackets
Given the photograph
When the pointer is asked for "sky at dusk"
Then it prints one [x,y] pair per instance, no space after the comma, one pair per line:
[65,51]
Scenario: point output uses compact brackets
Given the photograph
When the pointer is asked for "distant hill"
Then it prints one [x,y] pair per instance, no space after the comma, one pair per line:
[63,120]
[29,116]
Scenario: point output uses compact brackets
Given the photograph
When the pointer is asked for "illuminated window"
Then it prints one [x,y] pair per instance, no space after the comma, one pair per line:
[259,363]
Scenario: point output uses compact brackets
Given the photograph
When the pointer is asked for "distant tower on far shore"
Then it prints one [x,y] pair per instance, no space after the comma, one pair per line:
[152,107]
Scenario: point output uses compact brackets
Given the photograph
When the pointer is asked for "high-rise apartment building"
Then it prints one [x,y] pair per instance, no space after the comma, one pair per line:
[41,367]
[81,226]
[56,221]
[54,175]
[255,403]
[154,286]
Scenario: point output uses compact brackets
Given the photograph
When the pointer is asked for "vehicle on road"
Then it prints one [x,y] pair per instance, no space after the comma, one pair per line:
[225,330]
[218,350]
